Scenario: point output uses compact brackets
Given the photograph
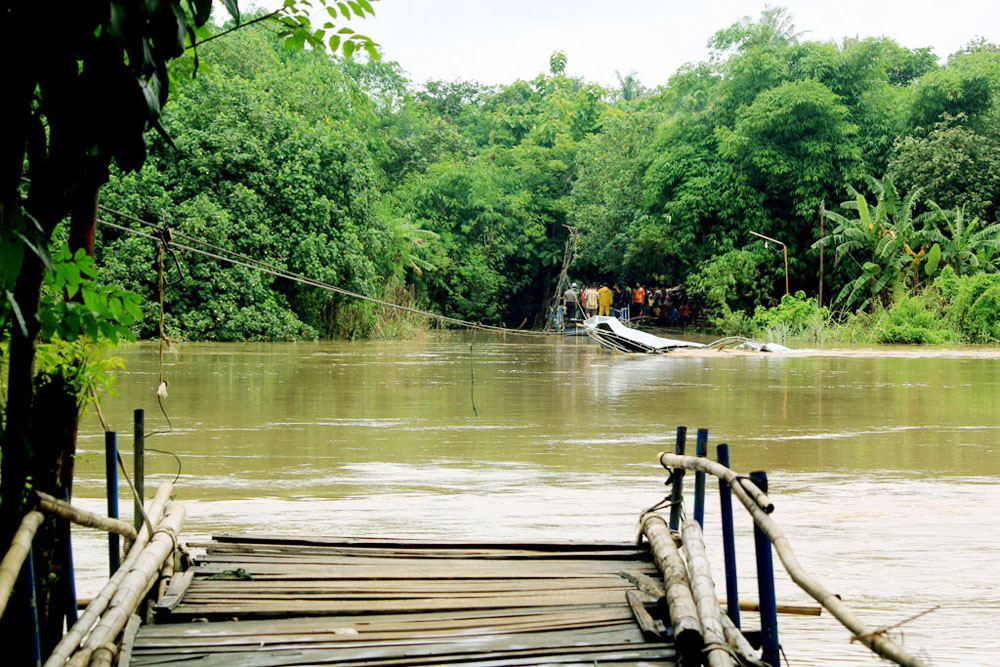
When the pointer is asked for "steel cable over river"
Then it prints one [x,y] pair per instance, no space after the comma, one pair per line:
[164,235]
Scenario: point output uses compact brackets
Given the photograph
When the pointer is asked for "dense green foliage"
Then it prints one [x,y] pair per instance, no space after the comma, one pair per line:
[345,171]
[270,161]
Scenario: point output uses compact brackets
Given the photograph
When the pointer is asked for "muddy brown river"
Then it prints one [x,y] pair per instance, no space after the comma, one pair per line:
[884,464]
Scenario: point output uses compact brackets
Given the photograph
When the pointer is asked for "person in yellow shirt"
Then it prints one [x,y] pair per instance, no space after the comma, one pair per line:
[605,297]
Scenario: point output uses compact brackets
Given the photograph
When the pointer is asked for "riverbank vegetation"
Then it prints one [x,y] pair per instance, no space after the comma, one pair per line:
[458,197]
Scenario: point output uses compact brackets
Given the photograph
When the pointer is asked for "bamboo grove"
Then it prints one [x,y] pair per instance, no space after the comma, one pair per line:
[456,196]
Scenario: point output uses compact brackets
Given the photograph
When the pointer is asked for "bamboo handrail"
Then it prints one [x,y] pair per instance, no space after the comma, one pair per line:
[756,493]
[140,578]
[19,549]
[739,643]
[71,640]
[104,656]
[62,509]
[703,590]
[877,642]
[683,612]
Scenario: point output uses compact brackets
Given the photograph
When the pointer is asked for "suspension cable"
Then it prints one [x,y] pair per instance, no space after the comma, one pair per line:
[237,259]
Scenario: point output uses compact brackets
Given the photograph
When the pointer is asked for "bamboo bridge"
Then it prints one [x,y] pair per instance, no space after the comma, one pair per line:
[266,600]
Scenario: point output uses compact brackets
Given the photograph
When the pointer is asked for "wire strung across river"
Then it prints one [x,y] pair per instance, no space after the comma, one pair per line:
[237,259]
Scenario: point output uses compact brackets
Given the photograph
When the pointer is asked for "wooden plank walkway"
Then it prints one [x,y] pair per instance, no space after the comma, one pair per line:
[295,601]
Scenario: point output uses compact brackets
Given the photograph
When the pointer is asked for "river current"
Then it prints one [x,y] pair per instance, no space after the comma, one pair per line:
[884,464]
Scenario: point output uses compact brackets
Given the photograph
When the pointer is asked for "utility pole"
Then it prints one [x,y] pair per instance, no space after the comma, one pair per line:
[822,214]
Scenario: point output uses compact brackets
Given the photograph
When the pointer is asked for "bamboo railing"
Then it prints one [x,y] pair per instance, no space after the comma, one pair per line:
[62,509]
[703,588]
[92,615]
[760,507]
[19,549]
[139,579]
[125,590]
[680,602]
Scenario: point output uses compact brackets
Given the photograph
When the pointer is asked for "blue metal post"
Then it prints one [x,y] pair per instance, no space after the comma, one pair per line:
[26,583]
[765,585]
[701,449]
[677,481]
[111,473]
[728,540]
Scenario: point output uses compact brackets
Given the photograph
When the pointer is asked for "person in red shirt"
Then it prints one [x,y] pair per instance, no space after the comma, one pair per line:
[638,302]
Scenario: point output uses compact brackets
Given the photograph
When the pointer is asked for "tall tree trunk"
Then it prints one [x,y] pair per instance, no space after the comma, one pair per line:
[39,439]
[54,433]
[53,430]
[15,466]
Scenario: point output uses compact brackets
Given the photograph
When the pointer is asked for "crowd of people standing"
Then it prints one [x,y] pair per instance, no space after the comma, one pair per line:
[662,305]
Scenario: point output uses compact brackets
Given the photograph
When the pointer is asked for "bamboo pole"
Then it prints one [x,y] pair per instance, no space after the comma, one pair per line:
[166,572]
[128,640]
[783,608]
[19,549]
[71,640]
[756,493]
[877,642]
[683,613]
[744,651]
[703,589]
[140,578]
[84,518]
[104,655]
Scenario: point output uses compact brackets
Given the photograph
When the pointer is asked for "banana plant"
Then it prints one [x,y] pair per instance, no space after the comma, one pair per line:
[887,242]
[965,245]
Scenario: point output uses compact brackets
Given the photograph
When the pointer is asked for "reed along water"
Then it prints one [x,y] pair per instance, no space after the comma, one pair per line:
[884,464]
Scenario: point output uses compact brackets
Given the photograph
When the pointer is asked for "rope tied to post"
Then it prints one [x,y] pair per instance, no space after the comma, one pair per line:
[882,632]
[719,646]
[169,533]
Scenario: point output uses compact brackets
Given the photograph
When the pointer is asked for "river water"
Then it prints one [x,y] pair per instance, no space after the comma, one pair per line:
[884,464]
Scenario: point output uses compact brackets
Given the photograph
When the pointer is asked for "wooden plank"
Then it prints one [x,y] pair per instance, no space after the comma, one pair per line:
[512,599]
[175,591]
[233,561]
[313,607]
[345,644]
[311,550]
[381,542]
[466,570]
[631,657]
[201,597]
[404,621]
[203,585]
[415,551]
[128,640]
[544,644]
[652,629]
[645,583]
[358,601]
[660,655]
[348,634]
